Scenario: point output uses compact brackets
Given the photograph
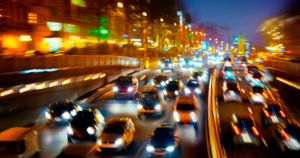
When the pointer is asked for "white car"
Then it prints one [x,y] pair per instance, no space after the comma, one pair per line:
[231,91]
[257,94]
[19,142]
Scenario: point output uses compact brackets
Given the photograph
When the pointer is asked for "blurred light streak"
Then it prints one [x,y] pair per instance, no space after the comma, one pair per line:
[53,83]
[103,75]
[66,81]
[86,78]
[94,77]
[24,89]
[111,42]
[25,38]
[40,86]
[7,92]
[288,82]
[142,77]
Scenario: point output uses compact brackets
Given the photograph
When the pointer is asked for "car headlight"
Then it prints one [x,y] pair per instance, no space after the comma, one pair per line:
[118,141]
[90,130]
[176,92]
[48,116]
[170,149]
[197,90]
[176,116]
[199,77]
[69,130]
[79,108]
[170,65]
[163,83]
[182,62]
[140,106]
[73,112]
[153,83]
[194,117]
[157,107]
[130,89]
[99,142]
[150,148]
[162,65]
[165,92]
[159,63]
[115,89]
[191,62]
[66,115]
[167,82]
[186,90]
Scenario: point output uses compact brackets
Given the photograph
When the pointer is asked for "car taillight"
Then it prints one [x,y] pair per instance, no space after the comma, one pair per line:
[236,130]
[282,114]
[254,130]
[252,95]
[223,72]
[265,94]
[233,72]
[246,73]
[237,98]
[267,113]
[284,134]
[238,87]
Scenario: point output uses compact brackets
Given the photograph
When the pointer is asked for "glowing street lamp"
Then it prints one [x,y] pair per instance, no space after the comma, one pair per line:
[161,19]
[174,24]
[144,13]
[120,5]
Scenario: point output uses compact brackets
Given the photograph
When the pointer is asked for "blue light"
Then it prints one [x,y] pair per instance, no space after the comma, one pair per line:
[37,71]
[134,30]
[243,123]
[124,35]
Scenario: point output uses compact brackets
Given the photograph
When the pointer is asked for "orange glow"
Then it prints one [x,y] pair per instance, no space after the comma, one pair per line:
[236,130]
[255,131]
[66,81]
[267,113]
[252,95]
[53,83]
[7,92]
[86,78]
[265,94]
[283,133]
[103,75]
[25,38]
[40,86]
[282,114]
[94,77]
[24,89]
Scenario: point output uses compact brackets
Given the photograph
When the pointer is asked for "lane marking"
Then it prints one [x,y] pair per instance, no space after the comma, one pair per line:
[243,90]
[140,149]
[240,79]
[90,151]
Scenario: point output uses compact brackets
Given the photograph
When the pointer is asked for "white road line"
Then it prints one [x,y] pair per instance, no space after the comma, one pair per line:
[140,149]
[240,79]
[243,90]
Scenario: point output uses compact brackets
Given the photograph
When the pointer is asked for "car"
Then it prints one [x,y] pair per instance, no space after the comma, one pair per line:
[252,75]
[197,58]
[286,137]
[273,113]
[61,112]
[249,69]
[243,62]
[117,135]
[227,61]
[19,142]
[193,87]
[198,64]
[187,62]
[228,72]
[167,64]
[160,81]
[257,94]
[186,111]
[231,91]
[149,103]
[180,58]
[159,62]
[173,89]
[163,142]
[126,85]
[244,130]
[86,124]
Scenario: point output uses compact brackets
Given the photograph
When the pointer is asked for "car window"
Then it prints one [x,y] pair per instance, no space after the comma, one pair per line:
[114,128]
[163,132]
[245,123]
[167,60]
[193,83]
[228,69]
[149,95]
[124,80]
[257,75]
[258,89]
[185,107]
[160,78]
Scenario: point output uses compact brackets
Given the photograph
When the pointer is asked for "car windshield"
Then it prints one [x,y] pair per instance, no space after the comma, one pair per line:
[83,119]
[124,80]
[185,107]
[9,148]
[245,123]
[160,78]
[164,132]
[257,75]
[149,95]
[232,87]
[167,60]
[252,68]
[198,74]
[258,89]
[114,128]
[228,69]
[172,85]
[227,59]
[274,107]
[193,83]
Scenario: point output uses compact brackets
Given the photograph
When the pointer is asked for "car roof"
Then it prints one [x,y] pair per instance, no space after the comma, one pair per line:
[126,76]
[152,89]
[115,120]
[14,134]
[60,103]
[230,81]
[185,100]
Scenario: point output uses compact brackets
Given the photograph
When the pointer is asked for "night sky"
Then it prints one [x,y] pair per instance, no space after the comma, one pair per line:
[244,16]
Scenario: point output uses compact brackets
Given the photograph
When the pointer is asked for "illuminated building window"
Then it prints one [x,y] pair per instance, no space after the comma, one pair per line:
[71,28]
[32,18]
[54,26]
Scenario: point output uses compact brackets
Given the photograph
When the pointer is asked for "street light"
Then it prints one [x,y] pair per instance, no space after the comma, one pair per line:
[161,19]
[144,13]
[210,39]
[175,24]
[120,5]
[216,39]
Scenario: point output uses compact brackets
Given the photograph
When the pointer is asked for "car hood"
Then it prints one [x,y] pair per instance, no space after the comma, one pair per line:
[162,142]
[110,137]
[149,102]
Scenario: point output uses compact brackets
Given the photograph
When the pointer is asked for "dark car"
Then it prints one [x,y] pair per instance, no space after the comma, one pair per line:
[86,124]
[193,87]
[149,103]
[287,138]
[244,130]
[272,113]
[61,112]
[257,94]
[163,142]
[187,62]
[197,75]
[126,85]
[160,81]
[254,75]
[173,89]
[166,64]
[231,91]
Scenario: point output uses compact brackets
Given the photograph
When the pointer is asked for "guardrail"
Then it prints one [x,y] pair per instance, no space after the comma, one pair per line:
[293,68]
[212,119]
[12,64]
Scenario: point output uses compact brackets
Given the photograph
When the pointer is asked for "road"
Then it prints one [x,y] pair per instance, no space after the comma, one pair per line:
[54,139]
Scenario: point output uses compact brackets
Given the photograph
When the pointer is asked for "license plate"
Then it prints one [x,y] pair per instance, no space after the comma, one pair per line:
[78,134]
[232,93]
[122,93]
[274,119]
[159,153]
[170,95]
[246,138]
[57,119]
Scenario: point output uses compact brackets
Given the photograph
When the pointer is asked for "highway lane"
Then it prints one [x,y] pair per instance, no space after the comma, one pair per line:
[227,109]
